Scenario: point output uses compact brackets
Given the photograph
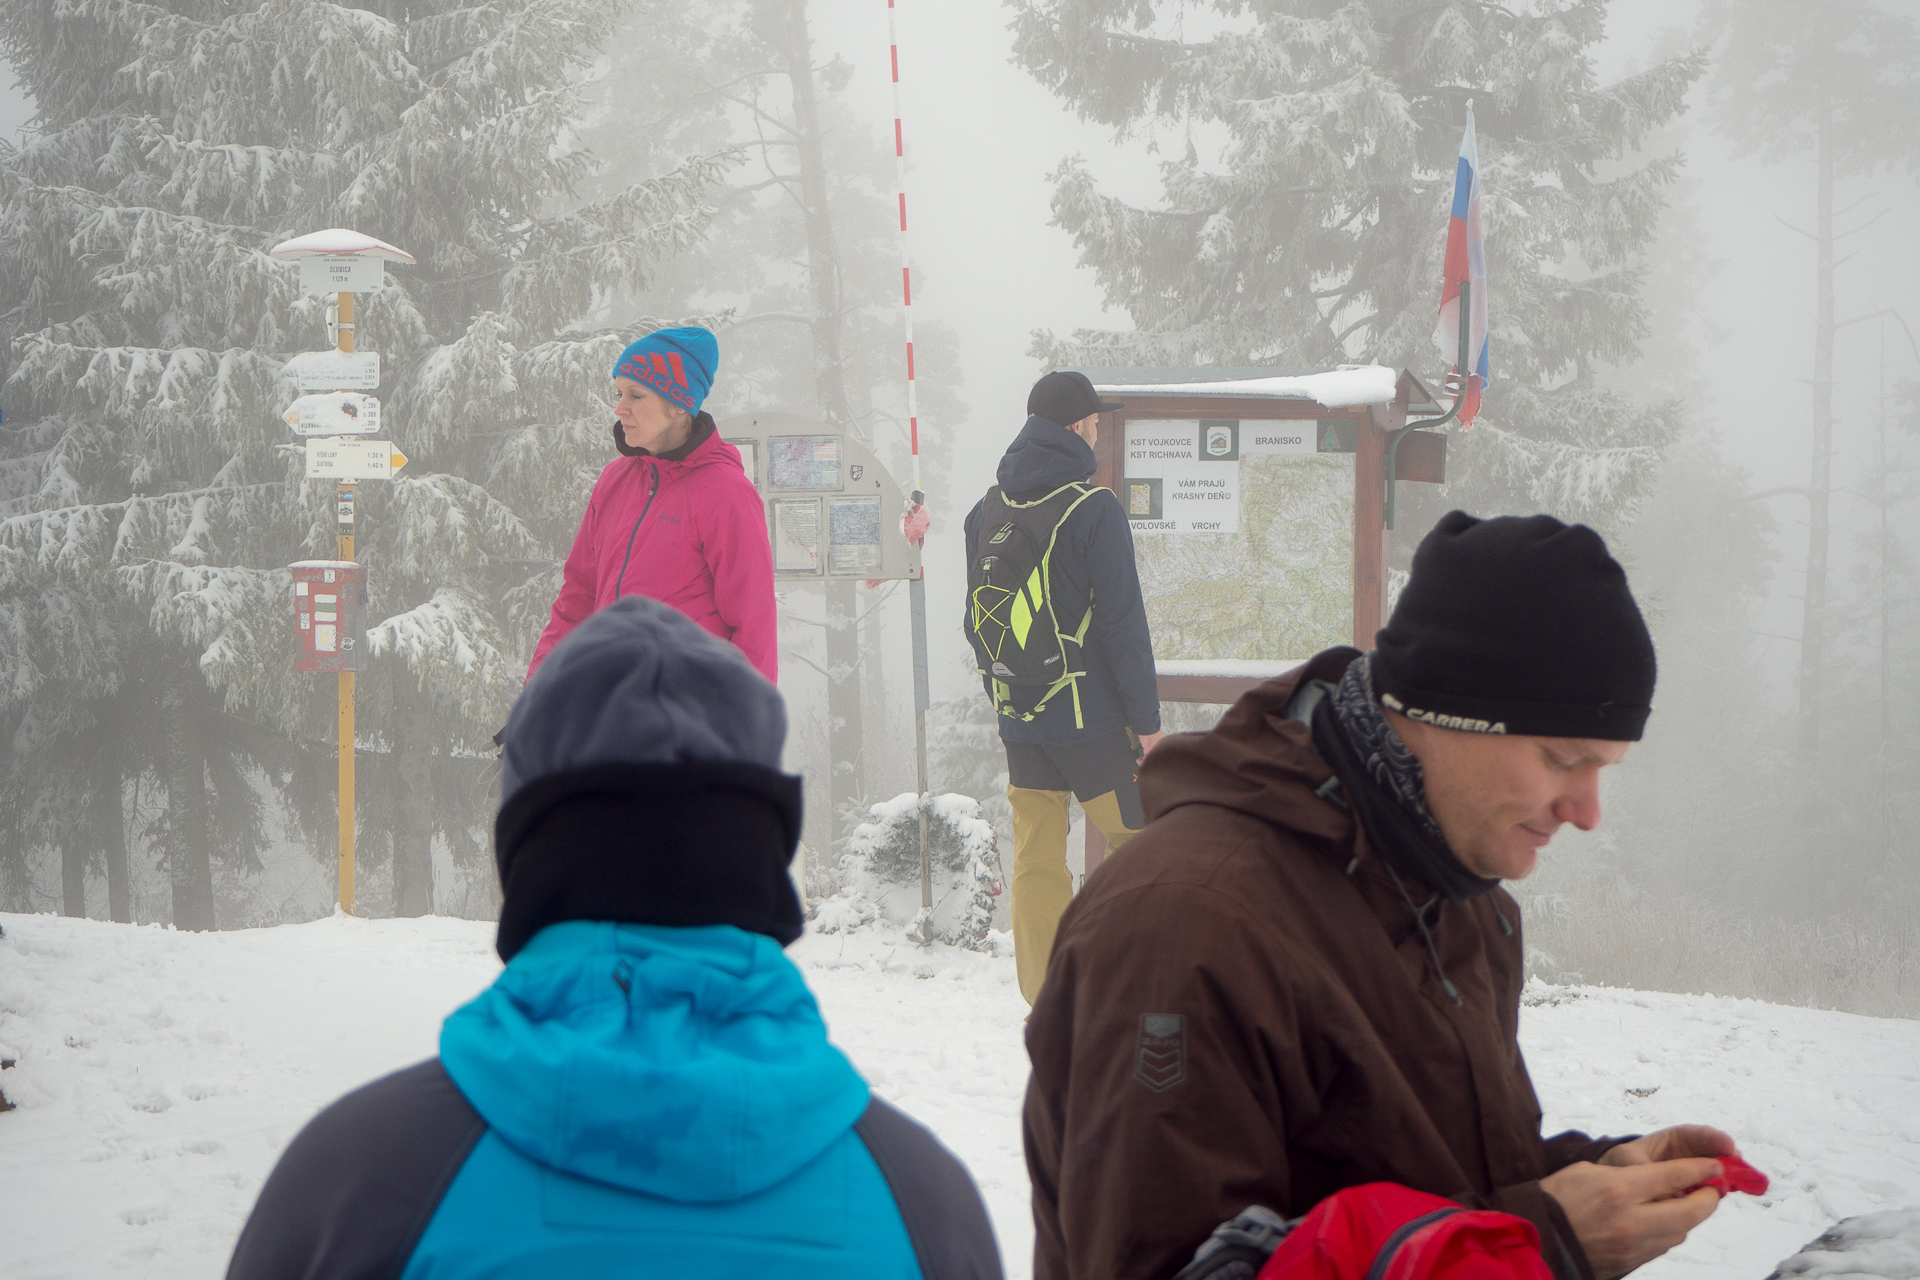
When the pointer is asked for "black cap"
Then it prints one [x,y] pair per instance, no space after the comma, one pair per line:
[1519,624]
[1065,397]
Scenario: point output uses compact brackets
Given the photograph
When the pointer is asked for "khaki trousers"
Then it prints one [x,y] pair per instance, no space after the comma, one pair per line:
[1042,886]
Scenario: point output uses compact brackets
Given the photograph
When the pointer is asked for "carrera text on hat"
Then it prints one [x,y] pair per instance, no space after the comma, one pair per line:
[1440,719]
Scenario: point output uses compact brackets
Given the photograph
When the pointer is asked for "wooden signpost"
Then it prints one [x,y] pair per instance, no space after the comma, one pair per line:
[341,263]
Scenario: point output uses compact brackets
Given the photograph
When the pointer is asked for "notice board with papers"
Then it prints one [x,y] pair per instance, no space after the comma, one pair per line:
[833,511]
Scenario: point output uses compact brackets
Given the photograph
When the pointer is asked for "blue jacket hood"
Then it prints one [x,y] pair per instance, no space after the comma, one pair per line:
[1044,456]
[690,1064]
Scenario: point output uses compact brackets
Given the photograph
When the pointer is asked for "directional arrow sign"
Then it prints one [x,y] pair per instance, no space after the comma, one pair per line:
[334,370]
[353,460]
[344,413]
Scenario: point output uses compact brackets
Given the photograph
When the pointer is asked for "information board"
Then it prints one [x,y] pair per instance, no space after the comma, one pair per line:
[1197,466]
[833,509]
[1243,537]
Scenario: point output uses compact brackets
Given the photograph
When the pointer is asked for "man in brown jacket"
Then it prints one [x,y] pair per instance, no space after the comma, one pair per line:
[1303,975]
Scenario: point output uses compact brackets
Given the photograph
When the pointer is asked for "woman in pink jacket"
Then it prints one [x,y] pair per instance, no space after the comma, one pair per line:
[676,517]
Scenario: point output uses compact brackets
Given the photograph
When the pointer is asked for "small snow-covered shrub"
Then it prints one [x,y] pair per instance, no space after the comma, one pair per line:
[882,865]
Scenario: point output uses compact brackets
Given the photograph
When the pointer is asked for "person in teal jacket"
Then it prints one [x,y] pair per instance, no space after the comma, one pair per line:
[648,1088]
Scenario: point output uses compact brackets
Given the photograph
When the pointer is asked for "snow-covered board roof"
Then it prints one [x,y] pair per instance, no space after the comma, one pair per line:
[1343,388]
[336,241]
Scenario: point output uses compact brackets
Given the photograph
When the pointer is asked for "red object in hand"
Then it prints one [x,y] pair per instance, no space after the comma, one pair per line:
[1735,1175]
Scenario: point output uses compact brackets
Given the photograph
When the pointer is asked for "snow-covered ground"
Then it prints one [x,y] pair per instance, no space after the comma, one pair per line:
[160,1073]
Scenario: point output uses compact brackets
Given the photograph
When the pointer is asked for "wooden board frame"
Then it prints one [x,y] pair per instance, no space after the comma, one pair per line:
[1422,457]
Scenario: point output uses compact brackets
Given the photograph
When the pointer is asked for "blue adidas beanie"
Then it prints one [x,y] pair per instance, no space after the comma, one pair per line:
[677,364]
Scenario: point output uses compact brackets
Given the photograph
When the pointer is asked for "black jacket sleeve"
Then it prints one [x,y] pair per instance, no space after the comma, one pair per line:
[354,1190]
[946,1221]
[972,528]
[1119,611]
[972,531]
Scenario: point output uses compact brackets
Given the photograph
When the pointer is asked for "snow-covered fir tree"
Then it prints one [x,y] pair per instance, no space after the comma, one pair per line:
[883,874]
[1315,235]
[151,499]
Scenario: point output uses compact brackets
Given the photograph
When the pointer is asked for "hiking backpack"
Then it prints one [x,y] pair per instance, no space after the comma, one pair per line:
[1010,622]
[1380,1231]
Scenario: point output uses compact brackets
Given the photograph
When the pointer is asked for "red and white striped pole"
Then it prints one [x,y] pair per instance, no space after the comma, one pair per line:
[906,269]
[914,520]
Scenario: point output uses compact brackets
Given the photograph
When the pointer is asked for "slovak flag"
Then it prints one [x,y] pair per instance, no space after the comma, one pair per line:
[1466,261]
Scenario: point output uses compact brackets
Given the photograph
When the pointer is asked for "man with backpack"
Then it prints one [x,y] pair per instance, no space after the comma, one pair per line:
[1303,980]
[1056,621]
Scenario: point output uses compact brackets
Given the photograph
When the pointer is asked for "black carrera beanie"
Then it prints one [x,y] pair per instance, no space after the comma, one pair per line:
[1519,624]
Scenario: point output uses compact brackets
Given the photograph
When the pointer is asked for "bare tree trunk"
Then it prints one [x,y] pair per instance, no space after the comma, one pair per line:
[873,691]
[845,712]
[823,254]
[412,764]
[73,876]
[845,708]
[1883,582]
[110,811]
[189,823]
[1813,616]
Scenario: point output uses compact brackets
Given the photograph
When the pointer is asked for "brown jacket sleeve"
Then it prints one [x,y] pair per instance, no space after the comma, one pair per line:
[1572,1147]
[1531,1201]
[1154,1112]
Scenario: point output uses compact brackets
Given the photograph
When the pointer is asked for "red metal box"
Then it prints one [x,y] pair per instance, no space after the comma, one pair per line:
[327,597]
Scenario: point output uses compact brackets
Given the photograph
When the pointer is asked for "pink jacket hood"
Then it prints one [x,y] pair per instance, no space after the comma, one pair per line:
[691,533]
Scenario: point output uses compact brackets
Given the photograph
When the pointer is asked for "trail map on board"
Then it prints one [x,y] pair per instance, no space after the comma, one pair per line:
[803,464]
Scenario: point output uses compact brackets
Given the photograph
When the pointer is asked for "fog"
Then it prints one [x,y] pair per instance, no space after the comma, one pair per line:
[1737,349]
[982,136]
[1759,856]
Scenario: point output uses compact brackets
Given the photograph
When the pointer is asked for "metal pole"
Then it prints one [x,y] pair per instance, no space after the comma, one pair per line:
[343,509]
[922,699]
[906,278]
[1393,449]
[917,587]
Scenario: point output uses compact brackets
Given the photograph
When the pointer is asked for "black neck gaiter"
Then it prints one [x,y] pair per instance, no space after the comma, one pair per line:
[1382,777]
[703,426]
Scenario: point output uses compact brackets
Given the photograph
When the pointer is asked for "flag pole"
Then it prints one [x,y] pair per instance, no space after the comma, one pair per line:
[1470,158]
[1459,398]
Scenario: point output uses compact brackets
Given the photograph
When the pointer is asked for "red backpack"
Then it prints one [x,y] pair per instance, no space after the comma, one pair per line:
[1380,1231]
